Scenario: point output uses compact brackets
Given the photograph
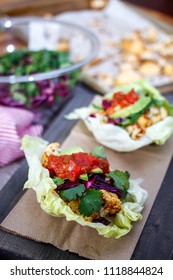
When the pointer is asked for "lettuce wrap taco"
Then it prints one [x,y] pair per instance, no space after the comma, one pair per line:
[129,117]
[82,187]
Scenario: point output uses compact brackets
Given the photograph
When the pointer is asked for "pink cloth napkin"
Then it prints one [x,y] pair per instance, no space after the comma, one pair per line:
[14,124]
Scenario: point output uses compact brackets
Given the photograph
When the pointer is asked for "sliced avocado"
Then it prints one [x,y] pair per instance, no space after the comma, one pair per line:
[96,170]
[83,177]
[131,119]
[71,150]
[132,109]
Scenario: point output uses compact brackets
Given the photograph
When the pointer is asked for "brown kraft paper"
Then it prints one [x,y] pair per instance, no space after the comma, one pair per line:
[28,219]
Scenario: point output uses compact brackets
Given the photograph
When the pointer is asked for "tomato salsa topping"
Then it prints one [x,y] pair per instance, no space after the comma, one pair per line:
[72,166]
[120,99]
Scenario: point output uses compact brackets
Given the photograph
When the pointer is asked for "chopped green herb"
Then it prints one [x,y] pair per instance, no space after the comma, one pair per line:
[72,193]
[121,180]
[90,202]
[98,107]
[58,181]
[99,152]
[23,61]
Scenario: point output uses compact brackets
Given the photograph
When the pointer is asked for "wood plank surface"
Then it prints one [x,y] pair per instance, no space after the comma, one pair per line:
[40,7]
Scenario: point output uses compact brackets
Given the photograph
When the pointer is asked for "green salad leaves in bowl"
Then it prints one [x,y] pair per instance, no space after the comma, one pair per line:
[40,59]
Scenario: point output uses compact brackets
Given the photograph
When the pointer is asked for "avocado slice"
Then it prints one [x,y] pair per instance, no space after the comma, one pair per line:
[97,170]
[84,177]
[131,119]
[71,150]
[132,109]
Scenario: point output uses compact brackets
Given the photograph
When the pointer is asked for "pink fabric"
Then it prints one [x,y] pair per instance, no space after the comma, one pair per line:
[14,124]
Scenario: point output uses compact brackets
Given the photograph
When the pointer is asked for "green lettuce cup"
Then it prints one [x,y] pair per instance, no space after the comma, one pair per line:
[128,118]
[107,200]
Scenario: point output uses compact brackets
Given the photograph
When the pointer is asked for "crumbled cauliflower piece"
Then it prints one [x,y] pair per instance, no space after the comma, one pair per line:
[112,204]
[52,149]
[150,117]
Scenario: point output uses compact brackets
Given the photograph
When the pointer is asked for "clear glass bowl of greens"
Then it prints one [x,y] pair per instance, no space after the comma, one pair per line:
[40,59]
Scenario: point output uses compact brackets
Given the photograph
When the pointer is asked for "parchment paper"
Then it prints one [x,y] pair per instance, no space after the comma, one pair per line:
[27,218]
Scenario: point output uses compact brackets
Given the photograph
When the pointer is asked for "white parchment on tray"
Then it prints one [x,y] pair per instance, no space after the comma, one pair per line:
[147,52]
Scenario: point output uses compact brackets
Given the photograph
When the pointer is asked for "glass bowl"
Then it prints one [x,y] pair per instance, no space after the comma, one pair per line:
[30,87]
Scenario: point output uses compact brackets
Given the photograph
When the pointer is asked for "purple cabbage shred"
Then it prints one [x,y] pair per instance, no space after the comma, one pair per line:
[117,121]
[106,104]
[92,115]
[48,92]
[68,185]
[102,220]
[96,181]
[99,181]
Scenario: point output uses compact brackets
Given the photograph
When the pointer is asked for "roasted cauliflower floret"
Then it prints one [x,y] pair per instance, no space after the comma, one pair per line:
[52,149]
[143,121]
[150,117]
[135,131]
[112,204]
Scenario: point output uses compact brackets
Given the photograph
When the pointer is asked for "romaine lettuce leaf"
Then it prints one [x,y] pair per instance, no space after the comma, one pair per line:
[52,203]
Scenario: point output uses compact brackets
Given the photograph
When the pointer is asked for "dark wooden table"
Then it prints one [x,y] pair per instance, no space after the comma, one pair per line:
[156,240]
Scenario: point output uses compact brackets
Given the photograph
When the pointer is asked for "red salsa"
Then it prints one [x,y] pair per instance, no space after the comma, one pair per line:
[121,99]
[72,166]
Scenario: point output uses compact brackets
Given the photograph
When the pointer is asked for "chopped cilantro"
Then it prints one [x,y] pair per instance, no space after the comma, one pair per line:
[72,193]
[90,202]
[58,181]
[98,107]
[121,180]
[98,152]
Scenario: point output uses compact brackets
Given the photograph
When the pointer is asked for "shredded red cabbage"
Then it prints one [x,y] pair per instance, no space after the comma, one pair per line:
[100,181]
[106,104]
[68,185]
[47,92]
[101,220]
[97,181]
[92,115]
[117,121]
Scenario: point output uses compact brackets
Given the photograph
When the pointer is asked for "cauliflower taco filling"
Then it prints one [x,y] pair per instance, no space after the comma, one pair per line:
[132,111]
[86,183]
